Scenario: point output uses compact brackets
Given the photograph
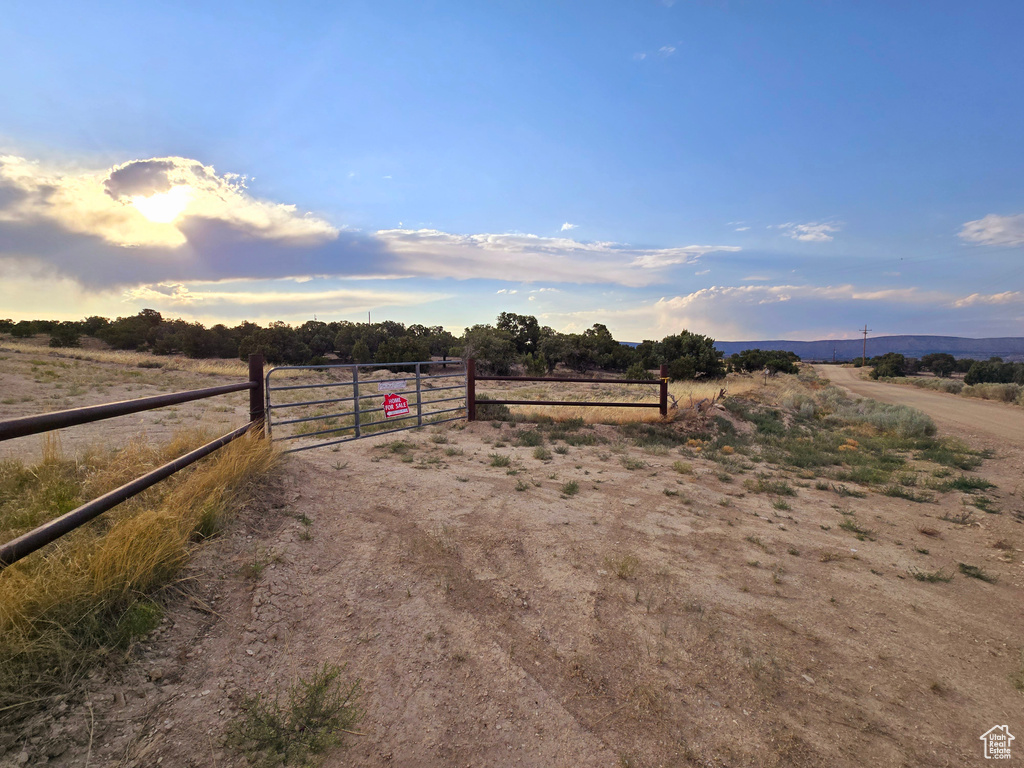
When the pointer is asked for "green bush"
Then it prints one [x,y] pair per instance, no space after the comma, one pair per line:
[486,411]
[315,717]
[529,438]
[637,371]
[889,364]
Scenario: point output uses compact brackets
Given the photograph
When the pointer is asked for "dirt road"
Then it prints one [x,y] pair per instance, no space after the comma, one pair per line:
[971,419]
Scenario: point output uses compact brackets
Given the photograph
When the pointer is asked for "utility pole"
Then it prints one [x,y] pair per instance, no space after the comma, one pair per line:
[864,354]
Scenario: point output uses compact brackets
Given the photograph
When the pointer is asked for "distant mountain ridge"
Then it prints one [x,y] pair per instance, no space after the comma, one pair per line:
[1010,348]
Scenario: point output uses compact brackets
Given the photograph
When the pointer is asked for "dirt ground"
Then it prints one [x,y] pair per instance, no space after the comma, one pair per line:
[654,618]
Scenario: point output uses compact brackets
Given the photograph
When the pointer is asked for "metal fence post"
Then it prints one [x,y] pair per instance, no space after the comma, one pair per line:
[269,412]
[663,402]
[355,397]
[471,389]
[419,399]
[257,398]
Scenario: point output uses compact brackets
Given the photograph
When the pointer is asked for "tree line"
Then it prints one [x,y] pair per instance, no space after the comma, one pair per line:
[944,365]
[513,342]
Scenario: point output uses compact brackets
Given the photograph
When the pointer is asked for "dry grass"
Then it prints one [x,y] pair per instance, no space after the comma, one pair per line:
[91,592]
[129,359]
[684,392]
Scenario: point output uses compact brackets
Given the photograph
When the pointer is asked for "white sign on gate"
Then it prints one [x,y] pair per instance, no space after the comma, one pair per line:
[390,386]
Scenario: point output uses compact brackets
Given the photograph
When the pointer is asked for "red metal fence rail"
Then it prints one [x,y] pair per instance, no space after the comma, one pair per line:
[35,539]
[472,402]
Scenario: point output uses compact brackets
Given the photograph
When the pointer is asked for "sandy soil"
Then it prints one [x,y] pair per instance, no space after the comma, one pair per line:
[654,618]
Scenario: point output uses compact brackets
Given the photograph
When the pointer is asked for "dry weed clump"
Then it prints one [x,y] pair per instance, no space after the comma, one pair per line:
[92,591]
[314,717]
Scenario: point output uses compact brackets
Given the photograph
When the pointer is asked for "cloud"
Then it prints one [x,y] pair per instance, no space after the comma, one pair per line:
[665,51]
[567,226]
[214,299]
[88,225]
[431,253]
[175,220]
[812,232]
[702,272]
[1007,297]
[761,311]
[507,290]
[995,230]
[741,229]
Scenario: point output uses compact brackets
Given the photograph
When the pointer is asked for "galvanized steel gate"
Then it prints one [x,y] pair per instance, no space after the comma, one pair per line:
[366,392]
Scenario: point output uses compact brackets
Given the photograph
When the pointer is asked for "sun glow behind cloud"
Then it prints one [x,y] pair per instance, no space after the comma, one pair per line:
[164,207]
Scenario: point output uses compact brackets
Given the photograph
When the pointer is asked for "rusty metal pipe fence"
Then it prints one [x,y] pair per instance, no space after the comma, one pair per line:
[49,532]
[471,400]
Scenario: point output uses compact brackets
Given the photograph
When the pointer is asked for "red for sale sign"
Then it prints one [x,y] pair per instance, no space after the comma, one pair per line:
[395,405]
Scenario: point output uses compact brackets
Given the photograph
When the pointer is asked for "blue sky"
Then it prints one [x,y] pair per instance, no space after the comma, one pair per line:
[742,169]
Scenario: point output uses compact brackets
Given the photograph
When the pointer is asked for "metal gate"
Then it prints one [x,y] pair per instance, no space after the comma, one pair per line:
[364,399]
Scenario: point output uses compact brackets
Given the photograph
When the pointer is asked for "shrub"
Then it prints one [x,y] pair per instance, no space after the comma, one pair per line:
[765,484]
[1003,393]
[535,365]
[529,438]
[486,411]
[492,348]
[974,572]
[889,364]
[690,356]
[314,718]
[756,360]
[932,577]
[898,420]
[65,335]
[637,371]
